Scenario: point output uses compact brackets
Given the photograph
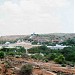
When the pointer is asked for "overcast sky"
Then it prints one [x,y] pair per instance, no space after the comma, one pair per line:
[39,16]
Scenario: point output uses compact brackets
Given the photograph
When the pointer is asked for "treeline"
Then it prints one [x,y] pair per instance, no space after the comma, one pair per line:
[61,56]
[4,41]
[12,51]
[70,41]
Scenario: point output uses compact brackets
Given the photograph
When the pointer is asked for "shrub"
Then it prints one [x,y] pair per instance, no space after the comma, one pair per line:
[26,70]
[24,55]
[46,60]
[37,56]
[11,53]
[8,64]
[63,65]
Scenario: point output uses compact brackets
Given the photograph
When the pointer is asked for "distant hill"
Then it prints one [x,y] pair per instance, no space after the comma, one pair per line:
[12,37]
[43,37]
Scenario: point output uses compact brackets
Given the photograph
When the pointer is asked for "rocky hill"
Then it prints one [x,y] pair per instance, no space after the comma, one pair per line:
[40,37]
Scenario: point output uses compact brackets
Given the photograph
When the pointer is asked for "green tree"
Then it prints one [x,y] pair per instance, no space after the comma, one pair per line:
[51,56]
[60,59]
[1,54]
[69,53]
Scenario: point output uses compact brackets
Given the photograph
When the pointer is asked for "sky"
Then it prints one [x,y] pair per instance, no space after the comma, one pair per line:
[18,17]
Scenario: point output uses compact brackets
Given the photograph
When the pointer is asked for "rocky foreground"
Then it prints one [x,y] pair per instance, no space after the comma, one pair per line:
[11,66]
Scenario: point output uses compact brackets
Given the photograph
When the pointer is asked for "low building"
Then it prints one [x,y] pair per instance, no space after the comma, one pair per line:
[57,47]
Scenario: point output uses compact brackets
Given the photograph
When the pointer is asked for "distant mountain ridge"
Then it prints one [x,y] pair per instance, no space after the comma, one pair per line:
[50,36]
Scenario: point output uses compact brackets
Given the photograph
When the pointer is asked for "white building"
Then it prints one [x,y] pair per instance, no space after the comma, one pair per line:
[57,47]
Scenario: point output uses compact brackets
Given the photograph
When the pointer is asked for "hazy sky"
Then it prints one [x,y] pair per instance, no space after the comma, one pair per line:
[39,16]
